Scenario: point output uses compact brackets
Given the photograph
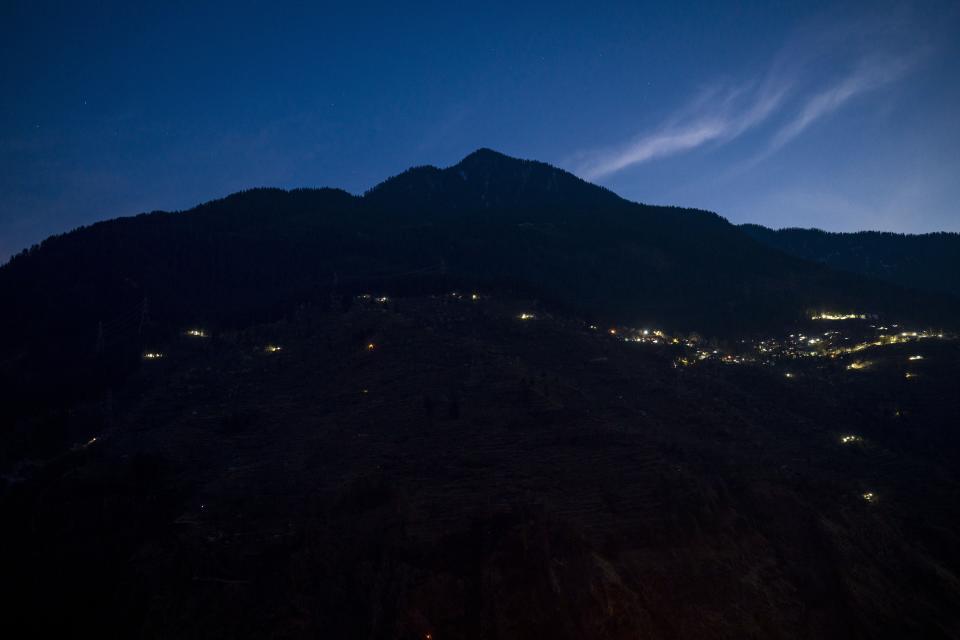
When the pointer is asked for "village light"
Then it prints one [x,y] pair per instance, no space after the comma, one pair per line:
[838,316]
[272,348]
[526,316]
[152,355]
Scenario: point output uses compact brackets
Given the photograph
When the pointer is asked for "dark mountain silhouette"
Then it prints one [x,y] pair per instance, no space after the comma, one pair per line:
[414,414]
[97,294]
[928,262]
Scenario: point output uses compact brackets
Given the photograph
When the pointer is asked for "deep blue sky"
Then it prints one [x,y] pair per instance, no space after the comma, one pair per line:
[797,114]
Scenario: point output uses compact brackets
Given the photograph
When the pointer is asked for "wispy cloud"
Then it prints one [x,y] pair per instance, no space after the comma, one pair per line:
[792,97]
[724,120]
[867,77]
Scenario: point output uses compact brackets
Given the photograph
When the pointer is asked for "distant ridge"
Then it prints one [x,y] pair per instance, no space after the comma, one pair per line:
[929,261]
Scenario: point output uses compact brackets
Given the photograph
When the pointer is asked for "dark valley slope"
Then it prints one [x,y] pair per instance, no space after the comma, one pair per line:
[929,262]
[474,475]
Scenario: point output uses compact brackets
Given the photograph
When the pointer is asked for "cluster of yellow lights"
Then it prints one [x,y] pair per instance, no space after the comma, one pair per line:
[152,355]
[850,439]
[881,341]
[829,344]
[909,375]
[90,441]
[803,344]
[649,336]
[869,496]
[197,333]
[272,348]
[838,316]
[732,359]
[460,296]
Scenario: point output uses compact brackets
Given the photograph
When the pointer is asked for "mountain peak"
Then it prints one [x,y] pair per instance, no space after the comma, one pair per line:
[486,155]
[487,179]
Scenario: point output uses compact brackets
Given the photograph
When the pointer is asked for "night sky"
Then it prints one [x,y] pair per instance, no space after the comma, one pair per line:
[810,114]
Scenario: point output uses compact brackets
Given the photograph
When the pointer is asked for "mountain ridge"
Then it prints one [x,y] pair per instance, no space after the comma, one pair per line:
[489,222]
[927,261]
